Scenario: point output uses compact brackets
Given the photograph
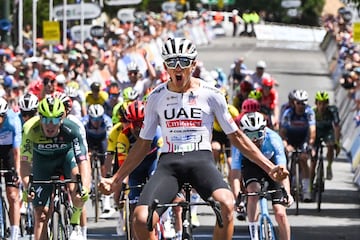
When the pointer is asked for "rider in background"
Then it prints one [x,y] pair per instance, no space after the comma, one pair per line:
[289,104]
[257,76]
[28,104]
[96,95]
[298,130]
[242,93]
[269,100]
[98,125]
[10,139]
[269,142]
[327,128]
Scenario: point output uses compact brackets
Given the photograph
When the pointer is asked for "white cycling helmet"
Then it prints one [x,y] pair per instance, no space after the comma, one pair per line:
[252,121]
[301,96]
[96,110]
[132,66]
[71,92]
[28,102]
[4,107]
[178,47]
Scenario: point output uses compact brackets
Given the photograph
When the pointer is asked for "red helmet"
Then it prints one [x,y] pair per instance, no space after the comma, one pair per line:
[250,105]
[135,111]
[49,75]
[246,86]
[268,81]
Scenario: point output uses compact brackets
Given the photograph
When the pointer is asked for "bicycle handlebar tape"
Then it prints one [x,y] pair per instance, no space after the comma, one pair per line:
[151,210]
[217,210]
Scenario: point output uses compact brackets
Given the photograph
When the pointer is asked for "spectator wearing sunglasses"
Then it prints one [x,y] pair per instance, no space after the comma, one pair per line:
[10,135]
[49,83]
[298,131]
[185,108]
[51,134]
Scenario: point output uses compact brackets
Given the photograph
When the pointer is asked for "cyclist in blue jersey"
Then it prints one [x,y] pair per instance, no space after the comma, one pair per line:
[10,140]
[98,126]
[298,130]
[28,104]
[269,142]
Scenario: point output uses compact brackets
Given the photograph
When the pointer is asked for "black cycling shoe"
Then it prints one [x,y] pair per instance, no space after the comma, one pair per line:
[241,212]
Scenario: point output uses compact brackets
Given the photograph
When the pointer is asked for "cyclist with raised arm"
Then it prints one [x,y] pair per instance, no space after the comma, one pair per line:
[270,144]
[186,116]
[10,139]
[327,128]
[298,130]
[52,143]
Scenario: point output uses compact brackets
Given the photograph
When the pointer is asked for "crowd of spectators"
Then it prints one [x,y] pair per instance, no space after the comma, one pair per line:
[104,60]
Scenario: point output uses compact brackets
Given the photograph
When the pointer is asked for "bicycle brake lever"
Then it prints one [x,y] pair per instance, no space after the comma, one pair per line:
[285,198]
[217,210]
[149,222]
[79,183]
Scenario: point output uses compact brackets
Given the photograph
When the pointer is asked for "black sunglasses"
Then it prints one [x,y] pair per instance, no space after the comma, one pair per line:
[46,81]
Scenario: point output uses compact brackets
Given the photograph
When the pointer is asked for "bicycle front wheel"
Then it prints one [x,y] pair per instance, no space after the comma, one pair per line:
[297,186]
[127,218]
[2,219]
[58,230]
[266,229]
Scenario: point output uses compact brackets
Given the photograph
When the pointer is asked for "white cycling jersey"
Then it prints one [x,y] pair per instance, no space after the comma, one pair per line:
[186,119]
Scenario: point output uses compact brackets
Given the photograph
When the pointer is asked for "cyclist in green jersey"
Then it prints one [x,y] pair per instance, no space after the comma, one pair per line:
[52,143]
[327,128]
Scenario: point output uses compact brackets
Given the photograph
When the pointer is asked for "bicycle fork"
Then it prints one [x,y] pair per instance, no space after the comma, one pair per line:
[266,229]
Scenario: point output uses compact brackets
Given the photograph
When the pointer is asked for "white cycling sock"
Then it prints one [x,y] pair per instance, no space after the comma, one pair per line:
[106,202]
[14,232]
[253,229]
[84,232]
[195,197]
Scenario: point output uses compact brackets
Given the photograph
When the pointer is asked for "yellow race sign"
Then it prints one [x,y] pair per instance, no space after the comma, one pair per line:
[51,32]
[356,32]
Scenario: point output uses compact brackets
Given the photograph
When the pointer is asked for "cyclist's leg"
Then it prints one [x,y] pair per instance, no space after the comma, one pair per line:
[214,186]
[280,212]
[305,172]
[164,186]
[12,194]
[330,145]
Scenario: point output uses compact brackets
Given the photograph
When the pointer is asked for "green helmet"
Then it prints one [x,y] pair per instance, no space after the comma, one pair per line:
[130,94]
[322,96]
[254,94]
[51,107]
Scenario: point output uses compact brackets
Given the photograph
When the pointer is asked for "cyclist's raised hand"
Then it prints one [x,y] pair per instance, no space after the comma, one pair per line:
[278,173]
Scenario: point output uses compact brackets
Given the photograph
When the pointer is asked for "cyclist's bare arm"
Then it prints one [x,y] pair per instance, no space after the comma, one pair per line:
[249,150]
[136,154]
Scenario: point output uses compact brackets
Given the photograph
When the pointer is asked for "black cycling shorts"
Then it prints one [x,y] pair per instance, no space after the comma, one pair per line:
[6,163]
[175,169]
[253,173]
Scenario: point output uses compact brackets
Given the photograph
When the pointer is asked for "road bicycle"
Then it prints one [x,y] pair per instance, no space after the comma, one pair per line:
[186,212]
[4,210]
[27,220]
[124,206]
[95,194]
[266,226]
[295,179]
[319,180]
[59,227]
